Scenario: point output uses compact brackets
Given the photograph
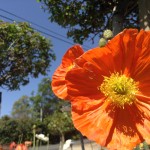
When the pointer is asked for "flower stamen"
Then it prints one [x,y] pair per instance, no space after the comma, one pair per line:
[119,89]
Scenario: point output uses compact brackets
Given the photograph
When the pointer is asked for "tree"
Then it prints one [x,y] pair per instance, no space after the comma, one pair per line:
[47,111]
[24,53]
[22,109]
[144,14]
[24,129]
[7,130]
[15,130]
[44,102]
[37,106]
[59,123]
[87,19]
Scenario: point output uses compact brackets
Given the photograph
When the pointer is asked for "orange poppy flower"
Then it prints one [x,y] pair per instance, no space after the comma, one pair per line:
[12,145]
[58,79]
[21,147]
[110,91]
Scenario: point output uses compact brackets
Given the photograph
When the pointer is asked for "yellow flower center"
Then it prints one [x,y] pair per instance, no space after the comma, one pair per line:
[119,89]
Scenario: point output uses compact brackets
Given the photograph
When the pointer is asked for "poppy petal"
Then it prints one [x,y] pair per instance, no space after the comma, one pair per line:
[58,83]
[58,79]
[81,82]
[96,123]
[144,88]
[124,135]
[100,58]
[123,50]
[142,67]
[71,54]
[144,129]
[141,116]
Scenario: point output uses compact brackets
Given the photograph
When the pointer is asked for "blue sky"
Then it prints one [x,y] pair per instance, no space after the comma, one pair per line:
[31,10]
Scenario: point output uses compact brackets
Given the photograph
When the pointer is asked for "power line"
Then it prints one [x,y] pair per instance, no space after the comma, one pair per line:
[39,27]
[42,32]
[31,22]
[50,35]
[6,18]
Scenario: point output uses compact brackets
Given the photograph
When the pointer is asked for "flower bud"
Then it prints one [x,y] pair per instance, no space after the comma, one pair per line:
[107,34]
[102,42]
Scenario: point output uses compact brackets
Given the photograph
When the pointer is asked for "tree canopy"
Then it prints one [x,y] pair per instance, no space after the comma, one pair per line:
[15,130]
[87,19]
[46,110]
[22,108]
[24,54]
[44,102]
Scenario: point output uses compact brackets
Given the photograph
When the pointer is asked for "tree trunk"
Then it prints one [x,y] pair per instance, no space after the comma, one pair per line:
[117,23]
[0,101]
[62,141]
[119,14]
[144,14]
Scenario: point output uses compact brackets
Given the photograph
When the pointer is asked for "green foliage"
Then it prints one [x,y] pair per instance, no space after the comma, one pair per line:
[59,122]
[44,100]
[87,19]
[14,130]
[25,129]
[7,130]
[22,108]
[41,127]
[54,121]
[24,52]
[142,146]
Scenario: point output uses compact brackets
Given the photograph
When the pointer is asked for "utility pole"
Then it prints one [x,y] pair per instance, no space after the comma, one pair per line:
[34,132]
[82,141]
[0,101]
[41,114]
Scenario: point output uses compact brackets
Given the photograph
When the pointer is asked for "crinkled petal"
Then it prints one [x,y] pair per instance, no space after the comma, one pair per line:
[124,135]
[59,84]
[122,47]
[110,127]
[141,116]
[144,88]
[84,104]
[100,58]
[144,129]
[117,56]
[82,82]
[142,65]
[71,54]
[58,79]
[143,104]
[95,123]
